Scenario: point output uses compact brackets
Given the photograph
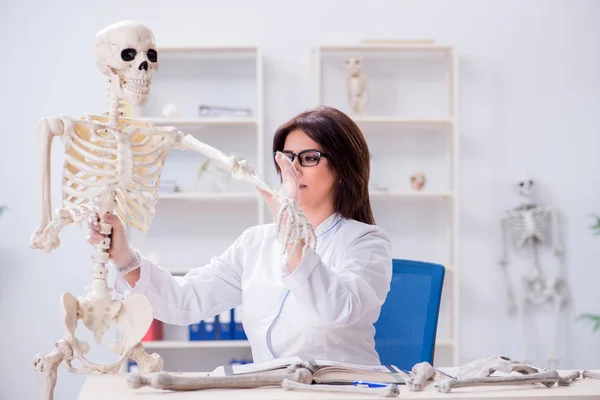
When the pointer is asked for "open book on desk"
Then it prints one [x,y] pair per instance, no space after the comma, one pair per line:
[325,371]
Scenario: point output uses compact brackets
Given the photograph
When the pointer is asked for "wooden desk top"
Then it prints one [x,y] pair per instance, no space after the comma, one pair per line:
[114,387]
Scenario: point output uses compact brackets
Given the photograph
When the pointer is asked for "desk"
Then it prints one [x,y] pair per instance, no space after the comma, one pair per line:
[114,387]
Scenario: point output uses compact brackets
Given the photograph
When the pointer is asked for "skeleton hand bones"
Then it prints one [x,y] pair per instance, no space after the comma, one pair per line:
[294,229]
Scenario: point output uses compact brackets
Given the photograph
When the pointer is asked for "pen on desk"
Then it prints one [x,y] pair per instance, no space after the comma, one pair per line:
[444,373]
[370,384]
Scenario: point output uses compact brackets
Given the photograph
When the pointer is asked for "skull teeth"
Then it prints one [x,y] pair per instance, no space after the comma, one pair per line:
[139,81]
[136,90]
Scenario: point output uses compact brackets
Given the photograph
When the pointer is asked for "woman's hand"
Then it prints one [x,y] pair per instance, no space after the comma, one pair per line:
[120,252]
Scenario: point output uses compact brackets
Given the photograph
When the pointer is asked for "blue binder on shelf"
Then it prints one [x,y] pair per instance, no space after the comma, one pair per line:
[238,327]
[203,330]
[224,324]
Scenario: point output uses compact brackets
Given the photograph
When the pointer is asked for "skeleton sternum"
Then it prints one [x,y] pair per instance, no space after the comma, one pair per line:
[124,161]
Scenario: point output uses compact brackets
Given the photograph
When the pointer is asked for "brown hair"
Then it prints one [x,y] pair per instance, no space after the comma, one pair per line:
[347,154]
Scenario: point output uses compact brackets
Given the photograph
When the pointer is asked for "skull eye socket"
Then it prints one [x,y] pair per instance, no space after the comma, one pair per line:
[152,55]
[128,54]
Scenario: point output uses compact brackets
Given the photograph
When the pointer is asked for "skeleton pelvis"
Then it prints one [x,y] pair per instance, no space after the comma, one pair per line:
[132,316]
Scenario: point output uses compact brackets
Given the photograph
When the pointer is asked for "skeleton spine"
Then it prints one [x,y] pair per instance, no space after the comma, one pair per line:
[115,107]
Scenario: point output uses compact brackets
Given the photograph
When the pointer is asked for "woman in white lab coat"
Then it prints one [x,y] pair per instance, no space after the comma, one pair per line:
[321,304]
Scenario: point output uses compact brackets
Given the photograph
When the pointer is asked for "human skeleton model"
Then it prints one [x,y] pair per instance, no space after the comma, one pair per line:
[113,165]
[356,83]
[529,223]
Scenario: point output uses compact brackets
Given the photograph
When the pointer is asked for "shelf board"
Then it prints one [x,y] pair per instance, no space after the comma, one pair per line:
[196,344]
[202,122]
[410,195]
[383,119]
[354,47]
[209,49]
[209,197]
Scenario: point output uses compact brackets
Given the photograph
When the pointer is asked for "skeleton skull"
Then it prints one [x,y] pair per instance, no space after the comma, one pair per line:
[354,66]
[525,187]
[126,53]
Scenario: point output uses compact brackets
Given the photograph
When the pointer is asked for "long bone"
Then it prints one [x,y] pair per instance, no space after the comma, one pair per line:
[486,366]
[390,390]
[167,381]
[567,379]
[546,378]
[590,374]
[419,376]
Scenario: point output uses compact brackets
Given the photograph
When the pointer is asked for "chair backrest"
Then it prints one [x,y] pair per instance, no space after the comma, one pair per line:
[406,330]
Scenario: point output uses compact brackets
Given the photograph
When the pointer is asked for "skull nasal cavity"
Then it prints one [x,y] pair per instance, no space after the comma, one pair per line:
[143,66]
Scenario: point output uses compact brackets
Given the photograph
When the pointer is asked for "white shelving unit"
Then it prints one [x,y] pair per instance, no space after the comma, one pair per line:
[226,76]
[413,97]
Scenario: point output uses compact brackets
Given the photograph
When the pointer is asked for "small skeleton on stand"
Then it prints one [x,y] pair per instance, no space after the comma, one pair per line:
[356,83]
[529,223]
[114,164]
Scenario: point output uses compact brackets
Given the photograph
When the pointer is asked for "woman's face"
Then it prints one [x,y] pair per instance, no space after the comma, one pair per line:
[316,182]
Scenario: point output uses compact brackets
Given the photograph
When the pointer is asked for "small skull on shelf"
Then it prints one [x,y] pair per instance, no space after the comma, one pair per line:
[417,180]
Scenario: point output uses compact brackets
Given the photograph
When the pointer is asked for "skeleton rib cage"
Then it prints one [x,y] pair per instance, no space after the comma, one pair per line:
[100,158]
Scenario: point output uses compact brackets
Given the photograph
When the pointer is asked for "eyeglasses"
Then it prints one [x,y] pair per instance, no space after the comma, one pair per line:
[306,158]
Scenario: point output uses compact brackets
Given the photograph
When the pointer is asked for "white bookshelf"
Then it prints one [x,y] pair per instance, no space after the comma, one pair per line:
[209,197]
[204,122]
[398,77]
[197,344]
[228,76]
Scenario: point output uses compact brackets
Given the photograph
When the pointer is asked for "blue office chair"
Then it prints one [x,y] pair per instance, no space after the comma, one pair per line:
[406,329]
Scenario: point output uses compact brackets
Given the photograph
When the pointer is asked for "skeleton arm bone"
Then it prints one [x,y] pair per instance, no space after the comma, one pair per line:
[239,169]
[48,129]
[556,246]
[503,232]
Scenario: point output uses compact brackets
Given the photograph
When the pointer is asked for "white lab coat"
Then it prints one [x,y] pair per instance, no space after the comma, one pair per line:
[335,294]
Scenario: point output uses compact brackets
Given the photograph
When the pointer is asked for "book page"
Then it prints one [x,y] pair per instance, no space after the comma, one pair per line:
[361,367]
[278,363]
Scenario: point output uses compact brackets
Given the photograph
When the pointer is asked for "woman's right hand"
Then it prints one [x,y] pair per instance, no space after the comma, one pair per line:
[120,251]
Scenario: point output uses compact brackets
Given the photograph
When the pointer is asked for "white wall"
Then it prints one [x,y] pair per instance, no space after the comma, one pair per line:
[530,93]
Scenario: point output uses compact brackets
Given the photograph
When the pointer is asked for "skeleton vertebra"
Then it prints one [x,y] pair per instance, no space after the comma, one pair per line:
[528,223]
[114,164]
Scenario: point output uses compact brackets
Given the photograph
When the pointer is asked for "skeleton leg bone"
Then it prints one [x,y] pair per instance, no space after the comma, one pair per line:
[167,381]
[146,362]
[567,379]
[590,374]
[390,390]
[547,378]
[47,367]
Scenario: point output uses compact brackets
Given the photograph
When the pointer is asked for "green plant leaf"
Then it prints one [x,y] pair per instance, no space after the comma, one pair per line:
[594,318]
[596,225]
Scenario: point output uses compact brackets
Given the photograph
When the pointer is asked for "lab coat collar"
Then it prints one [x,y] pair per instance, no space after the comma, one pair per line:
[328,223]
